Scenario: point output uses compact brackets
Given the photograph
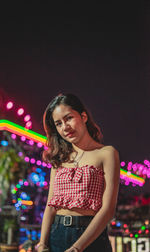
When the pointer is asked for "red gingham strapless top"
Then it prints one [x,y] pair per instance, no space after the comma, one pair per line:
[80,187]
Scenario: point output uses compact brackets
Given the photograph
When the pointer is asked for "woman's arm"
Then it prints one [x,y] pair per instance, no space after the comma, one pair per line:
[111,165]
[48,217]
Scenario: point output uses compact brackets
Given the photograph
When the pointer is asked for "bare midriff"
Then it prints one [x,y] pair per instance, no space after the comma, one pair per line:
[76,212]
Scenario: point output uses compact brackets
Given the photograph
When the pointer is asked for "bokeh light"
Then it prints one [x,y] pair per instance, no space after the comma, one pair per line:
[9,105]
[20,111]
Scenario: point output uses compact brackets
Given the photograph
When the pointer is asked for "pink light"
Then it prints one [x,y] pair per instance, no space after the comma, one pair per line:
[20,154]
[141,168]
[26,183]
[49,166]
[27,118]
[9,105]
[122,163]
[39,144]
[134,168]
[38,162]
[13,136]
[20,111]
[31,142]
[146,162]
[26,159]
[45,148]
[129,168]
[45,183]
[23,138]
[144,171]
[148,174]
[28,125]
[44,164]
[32,161]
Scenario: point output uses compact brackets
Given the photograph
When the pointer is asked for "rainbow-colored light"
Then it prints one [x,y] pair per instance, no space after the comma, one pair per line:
[130,177]
[21,131]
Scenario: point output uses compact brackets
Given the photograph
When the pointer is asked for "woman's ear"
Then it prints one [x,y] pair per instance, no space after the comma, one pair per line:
[84,116]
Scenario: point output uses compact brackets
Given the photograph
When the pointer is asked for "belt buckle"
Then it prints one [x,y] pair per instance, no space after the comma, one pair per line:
[66,221]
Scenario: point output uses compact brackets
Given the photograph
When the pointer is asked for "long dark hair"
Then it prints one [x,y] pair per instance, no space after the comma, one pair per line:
[58,149]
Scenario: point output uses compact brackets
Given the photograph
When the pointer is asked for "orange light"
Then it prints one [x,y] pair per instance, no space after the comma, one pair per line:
[27,202]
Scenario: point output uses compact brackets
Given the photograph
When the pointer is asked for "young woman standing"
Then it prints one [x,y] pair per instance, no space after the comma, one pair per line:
[84,180]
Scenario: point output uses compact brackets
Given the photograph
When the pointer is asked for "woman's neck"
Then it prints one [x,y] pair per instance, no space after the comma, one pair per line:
[89,144]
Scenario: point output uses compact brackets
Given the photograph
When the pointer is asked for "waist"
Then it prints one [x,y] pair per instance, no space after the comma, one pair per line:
[75,221]
[71,220]
[76,211]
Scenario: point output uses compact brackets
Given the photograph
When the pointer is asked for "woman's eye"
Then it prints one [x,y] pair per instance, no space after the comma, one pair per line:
[69,117]
[58,124]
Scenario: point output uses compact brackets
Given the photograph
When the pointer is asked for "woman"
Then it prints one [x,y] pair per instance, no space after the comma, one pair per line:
[83,183]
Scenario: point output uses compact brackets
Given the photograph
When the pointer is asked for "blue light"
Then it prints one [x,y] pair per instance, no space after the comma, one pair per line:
[27,232]
[21,182]
[118,224]
[4,143]
[22,229]
[34,177]
[33,232]
[38,170]
[23,196]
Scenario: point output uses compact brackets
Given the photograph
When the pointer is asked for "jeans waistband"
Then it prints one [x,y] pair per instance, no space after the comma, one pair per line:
[70,220]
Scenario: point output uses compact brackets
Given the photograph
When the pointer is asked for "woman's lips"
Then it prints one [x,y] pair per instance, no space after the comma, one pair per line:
[70,134]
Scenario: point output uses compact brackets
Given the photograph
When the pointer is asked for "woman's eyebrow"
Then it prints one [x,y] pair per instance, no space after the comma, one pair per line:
[63,117]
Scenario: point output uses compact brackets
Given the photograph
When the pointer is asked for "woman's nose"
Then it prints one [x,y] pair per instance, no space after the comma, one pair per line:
[65,126]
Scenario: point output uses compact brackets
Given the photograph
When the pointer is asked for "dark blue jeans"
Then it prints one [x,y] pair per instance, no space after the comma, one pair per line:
[62,237]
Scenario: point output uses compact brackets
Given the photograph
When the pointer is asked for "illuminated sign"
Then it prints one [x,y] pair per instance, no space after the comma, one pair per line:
[128,244]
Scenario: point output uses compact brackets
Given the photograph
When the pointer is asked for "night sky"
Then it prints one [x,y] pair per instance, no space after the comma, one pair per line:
[100,53]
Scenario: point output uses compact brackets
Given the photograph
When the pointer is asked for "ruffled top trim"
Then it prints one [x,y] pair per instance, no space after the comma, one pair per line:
[80,187]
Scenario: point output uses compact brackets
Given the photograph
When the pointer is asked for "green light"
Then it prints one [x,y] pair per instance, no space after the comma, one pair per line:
[13,191]
[19,199]
[22,128]
[134,176]
[136,235]
[23,207]
[18,186]
[143,227]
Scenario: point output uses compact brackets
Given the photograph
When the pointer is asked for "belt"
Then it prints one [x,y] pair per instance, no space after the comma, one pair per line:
[70,220]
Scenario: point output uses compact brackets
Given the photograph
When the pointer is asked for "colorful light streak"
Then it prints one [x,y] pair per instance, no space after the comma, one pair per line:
[131,177]
[21,131]
[24,202]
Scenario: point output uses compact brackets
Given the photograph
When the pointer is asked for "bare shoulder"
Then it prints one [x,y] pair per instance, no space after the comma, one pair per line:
[107,149]
[108,152]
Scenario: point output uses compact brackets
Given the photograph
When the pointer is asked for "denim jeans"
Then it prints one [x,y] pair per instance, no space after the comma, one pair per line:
[62,237]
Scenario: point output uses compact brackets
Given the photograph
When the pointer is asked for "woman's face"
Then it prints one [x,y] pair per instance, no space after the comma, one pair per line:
[69,123]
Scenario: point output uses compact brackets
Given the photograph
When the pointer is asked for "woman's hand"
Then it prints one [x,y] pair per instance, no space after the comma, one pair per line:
[73,249]
[41,247]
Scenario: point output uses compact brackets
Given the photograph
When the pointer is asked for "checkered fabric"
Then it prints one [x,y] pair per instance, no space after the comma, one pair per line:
[80,187]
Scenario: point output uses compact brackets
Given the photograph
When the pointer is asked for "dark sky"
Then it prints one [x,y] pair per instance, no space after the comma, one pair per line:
[100,53]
